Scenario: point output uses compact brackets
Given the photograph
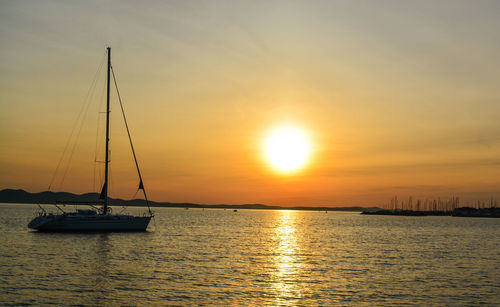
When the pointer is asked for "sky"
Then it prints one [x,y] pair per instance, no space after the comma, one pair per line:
[397,98]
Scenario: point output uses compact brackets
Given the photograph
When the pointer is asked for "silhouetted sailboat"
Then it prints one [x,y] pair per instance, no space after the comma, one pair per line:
[99,218]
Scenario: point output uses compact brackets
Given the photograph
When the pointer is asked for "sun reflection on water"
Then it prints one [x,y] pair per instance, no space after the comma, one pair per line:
[287,266]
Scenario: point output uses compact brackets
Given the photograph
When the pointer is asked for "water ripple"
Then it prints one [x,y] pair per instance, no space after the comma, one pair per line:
[265,258]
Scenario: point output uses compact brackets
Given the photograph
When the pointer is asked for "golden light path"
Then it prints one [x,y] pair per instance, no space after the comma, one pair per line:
[287,266]
[287,148]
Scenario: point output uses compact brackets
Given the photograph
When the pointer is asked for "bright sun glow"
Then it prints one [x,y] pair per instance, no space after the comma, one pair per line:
[287,148]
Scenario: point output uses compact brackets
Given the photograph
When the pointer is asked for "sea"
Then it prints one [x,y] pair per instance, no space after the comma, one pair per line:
[217,257]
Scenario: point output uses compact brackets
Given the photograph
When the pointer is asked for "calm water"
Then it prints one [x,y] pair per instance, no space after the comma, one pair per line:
[221,257]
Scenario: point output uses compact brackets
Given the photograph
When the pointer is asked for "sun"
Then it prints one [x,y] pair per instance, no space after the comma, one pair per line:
[287,148]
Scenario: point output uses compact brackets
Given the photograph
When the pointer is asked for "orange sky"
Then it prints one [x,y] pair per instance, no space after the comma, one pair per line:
[399,97]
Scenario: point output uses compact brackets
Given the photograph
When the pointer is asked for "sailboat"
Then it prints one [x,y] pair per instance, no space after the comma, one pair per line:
[100,218]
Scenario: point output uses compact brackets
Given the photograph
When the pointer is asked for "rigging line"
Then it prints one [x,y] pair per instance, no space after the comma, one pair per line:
[95,152]
[97,140]
[76,123]
[89,98]
[141,184]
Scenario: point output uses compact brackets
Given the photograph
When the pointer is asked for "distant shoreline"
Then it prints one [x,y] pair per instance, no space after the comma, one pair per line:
[20,196]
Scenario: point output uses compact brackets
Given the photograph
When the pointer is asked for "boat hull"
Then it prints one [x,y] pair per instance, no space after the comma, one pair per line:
[96,223]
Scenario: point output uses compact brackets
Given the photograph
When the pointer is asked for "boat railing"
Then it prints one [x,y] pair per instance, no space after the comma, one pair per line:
[41,211]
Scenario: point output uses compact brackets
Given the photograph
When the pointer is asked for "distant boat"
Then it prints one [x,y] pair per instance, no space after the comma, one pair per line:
[235,210]
[98,218]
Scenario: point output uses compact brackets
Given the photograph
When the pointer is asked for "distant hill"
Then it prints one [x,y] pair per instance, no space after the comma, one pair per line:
[48,197]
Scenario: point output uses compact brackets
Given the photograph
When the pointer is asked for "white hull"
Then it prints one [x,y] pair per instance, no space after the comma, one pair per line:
[82,223]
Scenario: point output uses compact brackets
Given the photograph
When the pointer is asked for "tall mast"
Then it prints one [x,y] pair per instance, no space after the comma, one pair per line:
[106,167]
